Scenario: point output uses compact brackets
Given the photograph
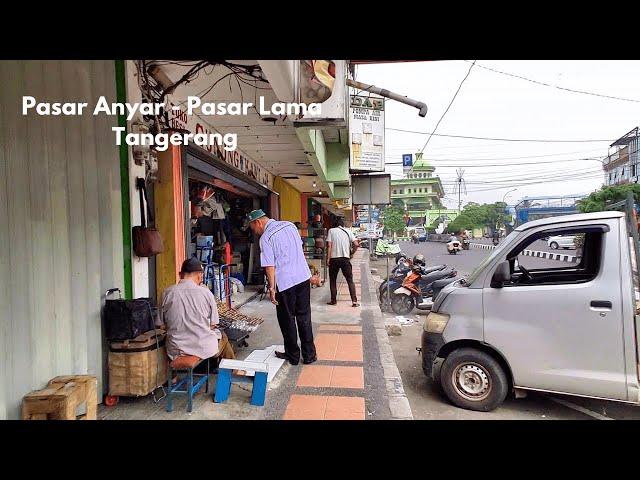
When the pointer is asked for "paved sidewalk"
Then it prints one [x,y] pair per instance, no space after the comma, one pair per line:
[355,377]
[333,387]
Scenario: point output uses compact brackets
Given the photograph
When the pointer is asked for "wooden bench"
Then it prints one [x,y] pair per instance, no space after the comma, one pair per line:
[61,398]
[226,378]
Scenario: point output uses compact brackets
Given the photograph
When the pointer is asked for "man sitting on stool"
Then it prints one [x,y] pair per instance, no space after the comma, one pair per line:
[190,314]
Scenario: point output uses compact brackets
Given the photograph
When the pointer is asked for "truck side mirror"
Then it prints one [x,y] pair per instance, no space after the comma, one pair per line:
[501,275]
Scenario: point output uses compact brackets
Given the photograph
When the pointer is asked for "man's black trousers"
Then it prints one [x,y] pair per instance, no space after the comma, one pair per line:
[294,308]
[344,264]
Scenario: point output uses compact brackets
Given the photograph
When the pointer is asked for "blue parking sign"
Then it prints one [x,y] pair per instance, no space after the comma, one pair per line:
[407,160]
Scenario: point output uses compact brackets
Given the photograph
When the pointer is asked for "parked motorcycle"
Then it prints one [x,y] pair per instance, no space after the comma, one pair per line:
[416,289]
[453,247]
[397,276]
[400,257]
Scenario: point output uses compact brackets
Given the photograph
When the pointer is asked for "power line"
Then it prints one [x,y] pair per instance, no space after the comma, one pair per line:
[498,139]
[584,92]
[431,158]
[586,176]
[510,164]
[523,184]
[539,176]
[449,106]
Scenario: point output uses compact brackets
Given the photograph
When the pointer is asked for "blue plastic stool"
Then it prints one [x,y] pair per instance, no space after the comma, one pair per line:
[185,365]
[226,378]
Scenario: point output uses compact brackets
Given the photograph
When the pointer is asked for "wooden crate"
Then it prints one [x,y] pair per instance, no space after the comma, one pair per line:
[61,399]
[137,366]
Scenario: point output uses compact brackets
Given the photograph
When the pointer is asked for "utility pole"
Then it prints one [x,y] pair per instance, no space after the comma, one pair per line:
[459,187]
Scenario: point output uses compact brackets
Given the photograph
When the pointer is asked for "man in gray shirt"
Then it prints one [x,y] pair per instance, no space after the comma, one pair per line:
[339,241]
[190,314]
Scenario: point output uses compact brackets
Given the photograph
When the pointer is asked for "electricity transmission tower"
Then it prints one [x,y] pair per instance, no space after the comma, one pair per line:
[460,187]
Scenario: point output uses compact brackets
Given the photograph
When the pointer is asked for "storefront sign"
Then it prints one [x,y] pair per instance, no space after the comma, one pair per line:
[179,120]
[366,129]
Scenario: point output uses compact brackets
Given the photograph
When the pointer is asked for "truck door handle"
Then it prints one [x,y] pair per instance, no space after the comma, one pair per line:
[601,304]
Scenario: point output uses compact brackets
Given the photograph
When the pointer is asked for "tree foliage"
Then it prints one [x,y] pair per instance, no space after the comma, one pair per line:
[393,220]
[598,201]
[474,215]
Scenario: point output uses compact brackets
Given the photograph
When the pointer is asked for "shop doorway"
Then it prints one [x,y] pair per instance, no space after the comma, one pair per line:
[218,200]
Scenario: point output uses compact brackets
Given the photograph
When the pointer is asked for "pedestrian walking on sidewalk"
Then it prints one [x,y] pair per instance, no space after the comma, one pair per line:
[288,275]
[339,248]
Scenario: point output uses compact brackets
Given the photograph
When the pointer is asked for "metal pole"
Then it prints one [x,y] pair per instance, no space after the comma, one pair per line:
[421,106]
[369,233]
[388,287]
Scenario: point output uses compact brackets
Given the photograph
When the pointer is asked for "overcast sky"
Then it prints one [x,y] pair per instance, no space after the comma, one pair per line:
[495,105]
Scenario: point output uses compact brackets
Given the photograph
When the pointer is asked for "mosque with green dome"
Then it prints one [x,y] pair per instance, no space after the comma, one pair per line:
[419,194]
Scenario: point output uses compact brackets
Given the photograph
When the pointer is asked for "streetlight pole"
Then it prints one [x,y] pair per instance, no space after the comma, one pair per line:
[503,201]
[505,195]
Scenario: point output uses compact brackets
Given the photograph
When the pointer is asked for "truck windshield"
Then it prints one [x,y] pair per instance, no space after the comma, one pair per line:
[498,250]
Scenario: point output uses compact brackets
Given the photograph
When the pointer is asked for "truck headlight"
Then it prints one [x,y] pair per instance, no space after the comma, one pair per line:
[436,322]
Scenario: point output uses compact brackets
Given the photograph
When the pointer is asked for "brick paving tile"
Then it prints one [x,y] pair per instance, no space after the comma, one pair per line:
[315,376]
[347,377]
[339,328]
[305,407]
[345,408]
[326,345]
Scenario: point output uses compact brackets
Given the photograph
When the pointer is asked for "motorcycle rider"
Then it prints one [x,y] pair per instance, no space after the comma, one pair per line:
[465,239]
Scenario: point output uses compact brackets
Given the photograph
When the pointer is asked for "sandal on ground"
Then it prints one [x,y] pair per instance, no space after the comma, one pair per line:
[356,304]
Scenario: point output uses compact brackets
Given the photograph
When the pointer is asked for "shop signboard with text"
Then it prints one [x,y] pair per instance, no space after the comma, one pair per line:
[366,132]
[179,120]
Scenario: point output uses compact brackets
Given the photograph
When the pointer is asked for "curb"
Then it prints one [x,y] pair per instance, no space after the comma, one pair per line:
[398,401]
[562,257]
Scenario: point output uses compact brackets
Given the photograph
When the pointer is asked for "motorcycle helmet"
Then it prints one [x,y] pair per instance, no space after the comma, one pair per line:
[419,260]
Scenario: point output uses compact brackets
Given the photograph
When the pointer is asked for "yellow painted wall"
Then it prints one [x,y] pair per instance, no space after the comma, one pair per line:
[290,207]
[169,216]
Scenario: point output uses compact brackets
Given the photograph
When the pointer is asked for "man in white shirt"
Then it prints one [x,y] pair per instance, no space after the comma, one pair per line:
[339,241]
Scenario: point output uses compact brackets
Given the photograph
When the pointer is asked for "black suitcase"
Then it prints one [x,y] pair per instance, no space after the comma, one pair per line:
[126,319]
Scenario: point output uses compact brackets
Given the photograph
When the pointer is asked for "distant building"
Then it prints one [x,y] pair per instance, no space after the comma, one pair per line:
[419,194]
[534,208]
[621,164]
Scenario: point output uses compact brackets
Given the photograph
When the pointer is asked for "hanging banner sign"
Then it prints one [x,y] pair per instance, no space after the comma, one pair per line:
[366,131]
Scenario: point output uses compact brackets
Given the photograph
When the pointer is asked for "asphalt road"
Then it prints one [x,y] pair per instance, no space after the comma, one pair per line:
[426,400]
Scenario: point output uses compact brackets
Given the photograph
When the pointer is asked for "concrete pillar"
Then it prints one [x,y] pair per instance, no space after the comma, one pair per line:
[170,218]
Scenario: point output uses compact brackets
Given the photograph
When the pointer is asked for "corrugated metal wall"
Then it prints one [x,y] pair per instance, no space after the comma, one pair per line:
[60,225]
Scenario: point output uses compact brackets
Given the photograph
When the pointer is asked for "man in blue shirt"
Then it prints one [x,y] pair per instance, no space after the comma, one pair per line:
[288,275]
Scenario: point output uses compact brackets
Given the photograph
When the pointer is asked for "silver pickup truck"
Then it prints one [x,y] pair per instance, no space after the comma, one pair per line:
[568,328]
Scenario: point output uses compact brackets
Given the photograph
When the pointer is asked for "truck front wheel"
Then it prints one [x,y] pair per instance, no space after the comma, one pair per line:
[473,380]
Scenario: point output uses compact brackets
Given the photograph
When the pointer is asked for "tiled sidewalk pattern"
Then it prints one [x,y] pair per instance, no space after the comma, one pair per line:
[335,344]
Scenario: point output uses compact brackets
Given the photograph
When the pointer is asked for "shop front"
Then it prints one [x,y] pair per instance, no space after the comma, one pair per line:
[202,204]
[225,198]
